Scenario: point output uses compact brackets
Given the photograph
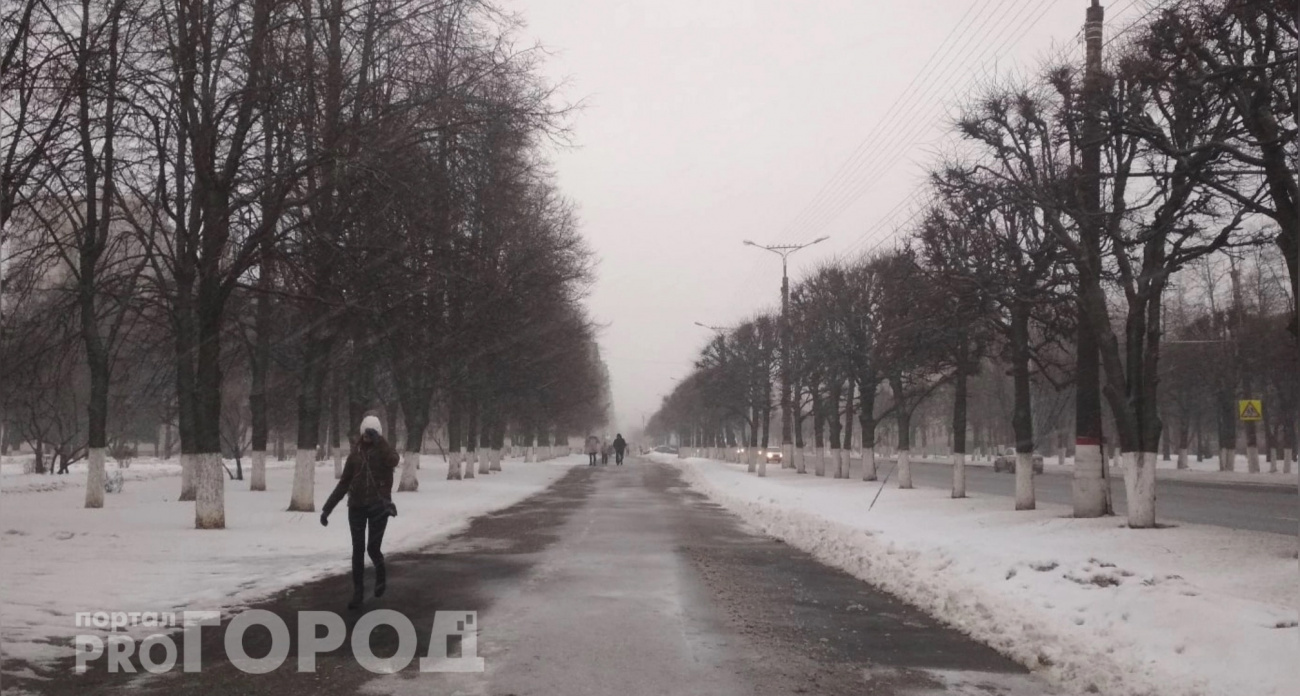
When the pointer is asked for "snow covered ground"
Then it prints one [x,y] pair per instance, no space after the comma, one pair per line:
[142,553]
[1206,470]
[1094,606]
[13,480]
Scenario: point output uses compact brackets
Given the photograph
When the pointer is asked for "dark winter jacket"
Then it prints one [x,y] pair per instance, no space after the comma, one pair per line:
[367,475]
[620,444]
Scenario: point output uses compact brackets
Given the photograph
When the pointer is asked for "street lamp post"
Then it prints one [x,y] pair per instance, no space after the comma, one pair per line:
[787,410]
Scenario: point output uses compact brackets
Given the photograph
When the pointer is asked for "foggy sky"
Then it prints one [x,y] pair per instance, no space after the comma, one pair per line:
[707,122]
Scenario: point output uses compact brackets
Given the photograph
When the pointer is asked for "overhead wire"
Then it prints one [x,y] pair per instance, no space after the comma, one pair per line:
[904,98]
[907,142]
[941,70]
[886,221]
[950,70]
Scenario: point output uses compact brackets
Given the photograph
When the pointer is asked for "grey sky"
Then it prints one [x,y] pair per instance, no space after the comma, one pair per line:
[711,121]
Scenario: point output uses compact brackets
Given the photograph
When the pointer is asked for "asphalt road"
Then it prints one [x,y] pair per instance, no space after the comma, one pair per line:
[614,581]
[1251,506]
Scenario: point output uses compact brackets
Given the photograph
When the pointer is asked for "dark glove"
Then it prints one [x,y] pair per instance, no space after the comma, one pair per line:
[325,519]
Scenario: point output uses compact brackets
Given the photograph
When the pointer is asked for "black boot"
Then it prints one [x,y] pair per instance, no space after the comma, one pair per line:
[358,588]
[381,579]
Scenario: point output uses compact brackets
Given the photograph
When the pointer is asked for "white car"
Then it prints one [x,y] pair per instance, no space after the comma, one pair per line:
[1007,463]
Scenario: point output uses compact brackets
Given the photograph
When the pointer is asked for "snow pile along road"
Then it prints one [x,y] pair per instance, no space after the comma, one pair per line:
[141,553]
[1094,606]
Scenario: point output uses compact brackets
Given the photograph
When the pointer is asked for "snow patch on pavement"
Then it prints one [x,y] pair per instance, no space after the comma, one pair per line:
[1094,606]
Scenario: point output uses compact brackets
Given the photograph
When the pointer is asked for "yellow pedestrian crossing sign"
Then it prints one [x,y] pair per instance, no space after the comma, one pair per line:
[1250,409]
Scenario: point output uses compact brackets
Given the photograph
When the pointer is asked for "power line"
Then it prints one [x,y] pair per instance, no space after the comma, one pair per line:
[906,142]
[850,193]
[939,68]
[844,185]
[940,52]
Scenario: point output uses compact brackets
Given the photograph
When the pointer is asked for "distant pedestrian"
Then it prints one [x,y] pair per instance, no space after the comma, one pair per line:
[592,449]
[368,482]
[620,446]
[605,451]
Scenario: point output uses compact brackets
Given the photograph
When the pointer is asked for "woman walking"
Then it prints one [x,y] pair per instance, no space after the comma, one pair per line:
[368,481]
[592,448]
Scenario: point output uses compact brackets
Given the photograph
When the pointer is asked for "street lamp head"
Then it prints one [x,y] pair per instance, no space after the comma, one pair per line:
[819,240]
[749,243]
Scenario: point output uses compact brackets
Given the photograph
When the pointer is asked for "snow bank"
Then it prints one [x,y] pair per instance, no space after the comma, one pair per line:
[1206,471]
[1094,606]
[142,553]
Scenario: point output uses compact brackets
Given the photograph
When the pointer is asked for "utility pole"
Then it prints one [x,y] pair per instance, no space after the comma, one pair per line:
[787,412]
[1243,372]
[1091,484]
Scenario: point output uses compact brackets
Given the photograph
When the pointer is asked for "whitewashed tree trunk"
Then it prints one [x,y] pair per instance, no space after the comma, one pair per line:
[837,462]
[1272,461]
[1060,456]
[257,482]
[751,459]
[869,472]
[210,491]
[801,460]
[95,477]
[531,457]
[1252,459]
[1227,460]
[959,475]
[187,478]
[484,461]
[1025,481]
[846,462]
[453,465]
[904,468]
[471,462]
[1182,458]
[1140,487]
[496,460]
[1287,454]
[819,464]
[338,462]
[303,497]
[1089,481]
[410,480]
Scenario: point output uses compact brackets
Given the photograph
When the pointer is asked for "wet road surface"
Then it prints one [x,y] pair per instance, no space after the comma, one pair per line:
[615,580]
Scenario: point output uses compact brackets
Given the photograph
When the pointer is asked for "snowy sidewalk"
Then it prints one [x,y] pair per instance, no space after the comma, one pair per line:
[1094,606]
[142,553]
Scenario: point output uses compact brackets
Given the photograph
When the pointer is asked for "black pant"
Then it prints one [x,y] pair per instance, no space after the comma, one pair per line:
[592,457]
[357,521]
[618,456]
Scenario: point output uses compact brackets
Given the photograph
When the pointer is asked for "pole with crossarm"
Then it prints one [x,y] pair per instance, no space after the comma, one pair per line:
[787,411]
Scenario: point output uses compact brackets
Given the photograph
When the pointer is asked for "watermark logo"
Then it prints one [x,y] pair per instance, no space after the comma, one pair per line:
[453,642]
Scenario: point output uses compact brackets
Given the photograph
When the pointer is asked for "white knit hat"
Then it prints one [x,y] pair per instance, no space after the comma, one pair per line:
[371,423]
